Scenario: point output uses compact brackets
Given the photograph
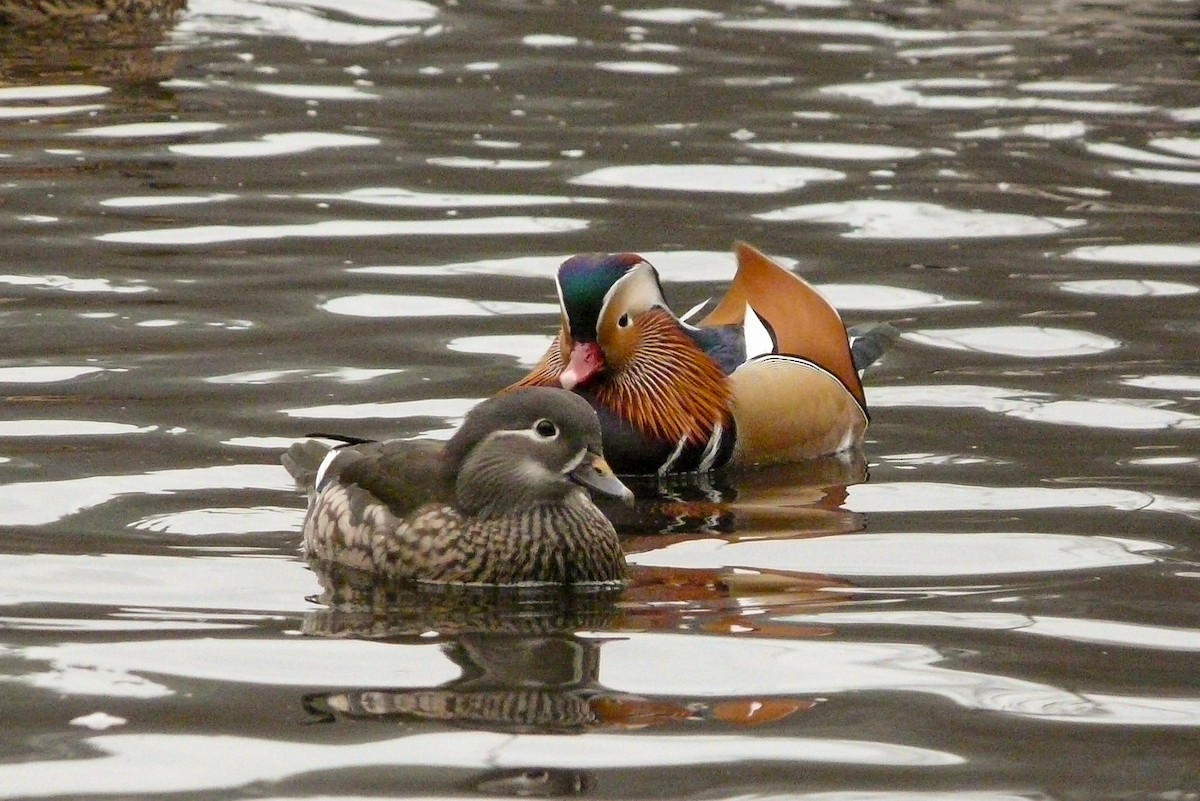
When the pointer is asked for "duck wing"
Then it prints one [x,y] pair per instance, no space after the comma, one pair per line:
[400,474]
[800,322]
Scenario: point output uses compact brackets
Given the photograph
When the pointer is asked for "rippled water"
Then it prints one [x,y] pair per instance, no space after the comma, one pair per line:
[297,216]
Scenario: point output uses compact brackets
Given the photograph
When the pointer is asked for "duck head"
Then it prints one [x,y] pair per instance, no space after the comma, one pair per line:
[528,447]
[602,296]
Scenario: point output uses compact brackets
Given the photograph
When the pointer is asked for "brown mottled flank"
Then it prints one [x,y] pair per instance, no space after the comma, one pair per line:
[40,12]
[437,543]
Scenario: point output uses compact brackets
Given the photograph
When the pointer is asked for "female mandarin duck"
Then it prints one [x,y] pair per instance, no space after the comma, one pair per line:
[501,503]
[767,376]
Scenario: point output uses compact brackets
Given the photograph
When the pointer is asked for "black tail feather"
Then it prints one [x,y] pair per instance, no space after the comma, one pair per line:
[869,341]
[345,439]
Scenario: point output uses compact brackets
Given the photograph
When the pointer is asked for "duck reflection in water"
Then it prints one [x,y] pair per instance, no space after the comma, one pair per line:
[525,667]
[515,683]
[535,783]
[781,500]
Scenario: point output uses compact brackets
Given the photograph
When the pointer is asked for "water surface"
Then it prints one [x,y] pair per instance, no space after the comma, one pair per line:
[345,216]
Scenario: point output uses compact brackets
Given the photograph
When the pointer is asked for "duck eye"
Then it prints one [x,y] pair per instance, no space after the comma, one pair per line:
[545,429]
[624,320]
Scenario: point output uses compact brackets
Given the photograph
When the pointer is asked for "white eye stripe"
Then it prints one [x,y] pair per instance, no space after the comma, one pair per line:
[526,433]
[575,461]
[640,288]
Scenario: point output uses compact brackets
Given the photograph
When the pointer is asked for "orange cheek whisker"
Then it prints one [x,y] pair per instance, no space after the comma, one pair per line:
[668,388]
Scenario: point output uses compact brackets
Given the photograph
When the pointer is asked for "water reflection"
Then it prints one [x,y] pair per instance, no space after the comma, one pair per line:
[734,178]
[858,28]
[309,92]
[522,666]
[34,503]
[639,67]
[1041,407]
[395,196]
[1127,153]
[426,306]
[731,666]
[1104,632]
[797,500]
[66,283]
[926,496]
[139,130]
[274,144]
[1034,342]
[895,219]
[132,763]
[912,92]
[923,554]
[534,783]
[214,234]
[153,201]
[1129,288]
[446,409]
[509,683]
[46,373]
[361,24]
[1149,253]
[68,428]
[229,520]
[34,112]
[98,721]
[838,151]
[247,581]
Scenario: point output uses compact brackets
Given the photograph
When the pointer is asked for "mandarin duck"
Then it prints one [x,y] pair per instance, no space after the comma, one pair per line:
[767,376]
[501,503]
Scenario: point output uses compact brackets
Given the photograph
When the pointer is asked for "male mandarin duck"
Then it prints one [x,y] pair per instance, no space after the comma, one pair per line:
[501,503]
[767,376]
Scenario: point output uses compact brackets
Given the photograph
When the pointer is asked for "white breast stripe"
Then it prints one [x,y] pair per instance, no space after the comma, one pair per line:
[711,449]
[674,457]
[527,433]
